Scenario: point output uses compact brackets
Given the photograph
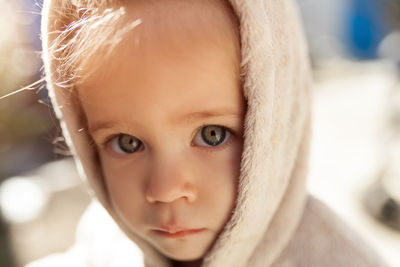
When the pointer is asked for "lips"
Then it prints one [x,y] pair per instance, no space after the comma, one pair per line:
[176,232]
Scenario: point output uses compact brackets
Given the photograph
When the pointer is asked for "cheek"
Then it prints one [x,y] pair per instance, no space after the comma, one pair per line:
[227,163]
[125,189]
[220,176]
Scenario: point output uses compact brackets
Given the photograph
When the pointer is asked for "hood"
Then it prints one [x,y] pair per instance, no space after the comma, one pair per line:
[271,189]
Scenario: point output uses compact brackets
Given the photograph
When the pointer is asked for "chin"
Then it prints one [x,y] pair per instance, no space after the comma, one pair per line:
[186,255]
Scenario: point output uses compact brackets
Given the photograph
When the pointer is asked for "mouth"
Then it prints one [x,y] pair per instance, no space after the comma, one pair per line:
[177,233]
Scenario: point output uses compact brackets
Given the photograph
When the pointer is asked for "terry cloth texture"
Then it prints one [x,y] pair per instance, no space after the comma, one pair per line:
[274,222]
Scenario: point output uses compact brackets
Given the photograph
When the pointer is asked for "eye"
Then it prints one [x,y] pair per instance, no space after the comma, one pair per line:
[211,135]
[125,144]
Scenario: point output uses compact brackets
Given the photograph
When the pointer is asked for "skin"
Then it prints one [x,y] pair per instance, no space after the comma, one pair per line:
[162,86]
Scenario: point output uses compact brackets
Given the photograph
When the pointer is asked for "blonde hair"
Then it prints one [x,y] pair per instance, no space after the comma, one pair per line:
[78,29]
[77,24]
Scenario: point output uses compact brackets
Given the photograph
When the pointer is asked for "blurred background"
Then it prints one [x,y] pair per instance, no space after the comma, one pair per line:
[355,162]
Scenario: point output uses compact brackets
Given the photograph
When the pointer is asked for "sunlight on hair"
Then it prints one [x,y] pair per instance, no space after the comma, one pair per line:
[73,46]
[32,86]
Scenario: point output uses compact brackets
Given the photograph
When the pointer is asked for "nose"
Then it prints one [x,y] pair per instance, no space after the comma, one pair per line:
[170,179]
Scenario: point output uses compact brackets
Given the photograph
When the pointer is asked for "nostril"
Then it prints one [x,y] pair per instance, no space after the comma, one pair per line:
[189,193]
[167,194]
[168,180]
[149,198]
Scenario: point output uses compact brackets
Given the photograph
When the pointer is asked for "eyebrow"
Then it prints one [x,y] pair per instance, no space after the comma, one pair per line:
[101,126]
[197,115]
[185,118]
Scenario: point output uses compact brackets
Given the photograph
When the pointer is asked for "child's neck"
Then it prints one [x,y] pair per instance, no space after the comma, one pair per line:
[196,263]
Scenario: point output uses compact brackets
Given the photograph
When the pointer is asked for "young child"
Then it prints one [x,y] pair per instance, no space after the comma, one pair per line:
[190,120]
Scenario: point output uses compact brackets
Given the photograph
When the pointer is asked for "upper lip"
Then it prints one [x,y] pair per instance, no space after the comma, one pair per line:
[172,229]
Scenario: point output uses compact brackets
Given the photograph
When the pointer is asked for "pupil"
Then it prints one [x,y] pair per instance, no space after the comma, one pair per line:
[128,143]
[213,135]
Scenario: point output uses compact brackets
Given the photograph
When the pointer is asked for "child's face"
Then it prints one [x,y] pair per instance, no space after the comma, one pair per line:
[167,122]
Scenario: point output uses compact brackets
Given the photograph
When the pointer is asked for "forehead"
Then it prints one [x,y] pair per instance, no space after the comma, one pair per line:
[168,65]
[167,25]
[179,19]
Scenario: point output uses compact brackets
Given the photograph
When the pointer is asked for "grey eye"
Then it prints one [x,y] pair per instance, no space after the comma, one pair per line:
[212,135]
[125,144]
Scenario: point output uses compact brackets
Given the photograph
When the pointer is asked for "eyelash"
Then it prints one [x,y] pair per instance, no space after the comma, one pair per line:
[107,143]
[214,148]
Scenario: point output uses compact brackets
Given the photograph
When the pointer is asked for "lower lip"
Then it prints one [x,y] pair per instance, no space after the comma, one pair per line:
[179,234]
